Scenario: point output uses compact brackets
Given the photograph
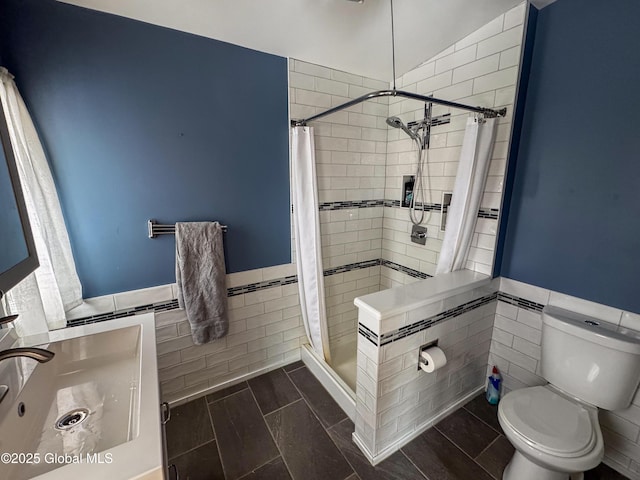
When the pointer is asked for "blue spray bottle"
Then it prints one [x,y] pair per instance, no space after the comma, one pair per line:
[493,386]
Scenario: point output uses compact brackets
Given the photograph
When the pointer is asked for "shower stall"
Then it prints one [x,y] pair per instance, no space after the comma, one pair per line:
[363,155]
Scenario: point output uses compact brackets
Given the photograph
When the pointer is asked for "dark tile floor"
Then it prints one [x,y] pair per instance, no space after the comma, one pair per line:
[284,425]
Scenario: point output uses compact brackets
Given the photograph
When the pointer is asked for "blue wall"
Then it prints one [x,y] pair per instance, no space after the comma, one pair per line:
[574,220]
[145,122]
[518,118]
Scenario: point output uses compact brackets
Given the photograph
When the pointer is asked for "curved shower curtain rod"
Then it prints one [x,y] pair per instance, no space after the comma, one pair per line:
[487,112]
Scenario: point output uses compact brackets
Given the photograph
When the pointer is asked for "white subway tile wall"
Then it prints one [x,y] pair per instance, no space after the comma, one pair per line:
[350,158]
[481,69]
[515,349]
[265,331]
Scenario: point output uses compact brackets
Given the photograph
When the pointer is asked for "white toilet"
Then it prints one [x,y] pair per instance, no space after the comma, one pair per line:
[589,364]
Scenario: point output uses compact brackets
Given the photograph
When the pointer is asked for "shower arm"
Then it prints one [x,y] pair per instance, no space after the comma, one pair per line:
[487,112]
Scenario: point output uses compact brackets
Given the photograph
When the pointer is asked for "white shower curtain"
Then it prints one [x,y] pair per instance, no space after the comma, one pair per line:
[477,148]
[307,240]
[42,298]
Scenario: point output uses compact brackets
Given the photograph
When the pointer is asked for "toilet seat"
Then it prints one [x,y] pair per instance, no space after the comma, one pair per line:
[550,422]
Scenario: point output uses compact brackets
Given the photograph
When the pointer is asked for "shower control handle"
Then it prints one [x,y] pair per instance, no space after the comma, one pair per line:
[419,235]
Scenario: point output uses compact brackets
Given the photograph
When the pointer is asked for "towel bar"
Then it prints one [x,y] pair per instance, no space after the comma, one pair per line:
[156,229]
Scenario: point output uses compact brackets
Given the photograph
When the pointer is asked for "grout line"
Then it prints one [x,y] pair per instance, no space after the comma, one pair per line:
[214,439]
[286,374]
[487,424]
[190,450]
[294,369]
[414,465]
[311,407]
[463,451]
[226,396]
[216,436]
[279,408]
[326,429]
[488,472]
[488,446]
[260,466]
[273,438]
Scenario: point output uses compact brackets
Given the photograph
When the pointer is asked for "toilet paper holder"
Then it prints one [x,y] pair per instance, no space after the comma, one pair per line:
[422,361]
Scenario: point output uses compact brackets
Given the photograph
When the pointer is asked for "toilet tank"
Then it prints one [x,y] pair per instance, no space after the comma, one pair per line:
[595,361]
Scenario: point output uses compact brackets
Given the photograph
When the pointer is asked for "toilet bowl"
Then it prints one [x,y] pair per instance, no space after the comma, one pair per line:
[554,435]
[554,428]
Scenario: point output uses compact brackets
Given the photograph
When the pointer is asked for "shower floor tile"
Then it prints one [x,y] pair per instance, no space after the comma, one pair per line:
[305,435]
[343,362]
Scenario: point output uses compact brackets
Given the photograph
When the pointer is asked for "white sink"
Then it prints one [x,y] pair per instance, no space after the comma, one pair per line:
[90,412]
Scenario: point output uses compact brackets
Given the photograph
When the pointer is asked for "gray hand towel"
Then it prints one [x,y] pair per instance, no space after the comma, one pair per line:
[200,275]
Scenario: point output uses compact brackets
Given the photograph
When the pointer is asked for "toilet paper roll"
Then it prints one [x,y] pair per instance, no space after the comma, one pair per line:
[433,358]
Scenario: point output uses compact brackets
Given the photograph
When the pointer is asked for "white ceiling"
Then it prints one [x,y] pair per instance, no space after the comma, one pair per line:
[337,33]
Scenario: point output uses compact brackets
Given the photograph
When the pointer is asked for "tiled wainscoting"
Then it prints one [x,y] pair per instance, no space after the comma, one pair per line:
[500,326]
[265,329]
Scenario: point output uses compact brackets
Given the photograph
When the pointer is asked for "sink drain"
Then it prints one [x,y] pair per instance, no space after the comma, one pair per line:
[72,418]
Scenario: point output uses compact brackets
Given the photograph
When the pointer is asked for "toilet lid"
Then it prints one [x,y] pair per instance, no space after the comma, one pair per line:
[548,421]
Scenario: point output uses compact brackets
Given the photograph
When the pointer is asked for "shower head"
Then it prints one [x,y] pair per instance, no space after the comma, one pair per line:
[395,122]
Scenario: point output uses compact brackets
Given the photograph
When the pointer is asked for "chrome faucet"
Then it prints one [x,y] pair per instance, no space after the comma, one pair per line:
[39,354]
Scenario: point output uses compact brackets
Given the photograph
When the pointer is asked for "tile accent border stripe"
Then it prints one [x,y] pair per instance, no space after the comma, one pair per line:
[401,268]
[429,322]
[351,204]
[488,213]
[421,325]
[491,213]
[254,287]
[425,206]
[352,266]
[372,337]
[153,307]
[368,334]
[520,302]
[241,290]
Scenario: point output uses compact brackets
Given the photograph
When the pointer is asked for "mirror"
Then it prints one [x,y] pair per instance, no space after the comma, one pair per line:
[17,253]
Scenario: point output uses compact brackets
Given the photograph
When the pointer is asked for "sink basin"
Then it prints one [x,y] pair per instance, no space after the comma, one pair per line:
[92,411]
